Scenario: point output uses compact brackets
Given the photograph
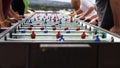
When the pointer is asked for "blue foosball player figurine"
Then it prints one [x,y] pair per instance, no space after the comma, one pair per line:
[23,31]
[97,39]
[30,22]
[61,39]
[67,31]
[45,31]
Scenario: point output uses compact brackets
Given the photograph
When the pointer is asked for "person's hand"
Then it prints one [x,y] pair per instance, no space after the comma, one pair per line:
[93,21]
[13,20]
[82,17]
[16,16]
[115,30]
[87,19]
[77,16]
[72,14]
[5,23]
[20,17]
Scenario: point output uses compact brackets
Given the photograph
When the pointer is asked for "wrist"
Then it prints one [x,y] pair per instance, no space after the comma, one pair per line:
[75,13]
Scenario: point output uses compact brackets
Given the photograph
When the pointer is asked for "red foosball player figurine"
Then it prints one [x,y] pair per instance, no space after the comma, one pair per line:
[54,19]
[30,28]
[42,28]
[54,28]
[71,20]
[66,28]
[78,28]
[83,36]
[38,23]
[33,35]
[58,34]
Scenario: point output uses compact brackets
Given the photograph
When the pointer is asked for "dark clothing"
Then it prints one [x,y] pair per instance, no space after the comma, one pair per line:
[6,7]
[18,6]
[105,14]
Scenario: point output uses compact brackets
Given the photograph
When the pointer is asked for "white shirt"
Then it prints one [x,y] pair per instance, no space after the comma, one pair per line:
[92,1]
[86,4]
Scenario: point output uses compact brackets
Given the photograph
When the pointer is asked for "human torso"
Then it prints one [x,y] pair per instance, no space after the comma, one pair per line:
[105,14]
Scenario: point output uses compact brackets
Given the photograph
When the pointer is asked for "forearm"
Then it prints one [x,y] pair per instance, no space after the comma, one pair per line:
[88,11]
[116,15]
[116,12]
[74,4]
[11,12]
[79,11]
[94,16]
[1,11]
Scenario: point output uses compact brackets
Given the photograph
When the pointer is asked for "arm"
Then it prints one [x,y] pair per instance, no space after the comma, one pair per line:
[76,5]
[116,15]
[79,11]
[91,17]
[88,11]
[94,21]
[15,14]
[1,12]
[12,13]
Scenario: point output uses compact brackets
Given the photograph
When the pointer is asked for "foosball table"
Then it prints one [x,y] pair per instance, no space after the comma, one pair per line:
[60,32]
[56,27]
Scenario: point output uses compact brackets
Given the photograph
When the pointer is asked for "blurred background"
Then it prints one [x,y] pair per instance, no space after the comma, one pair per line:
[49,5]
